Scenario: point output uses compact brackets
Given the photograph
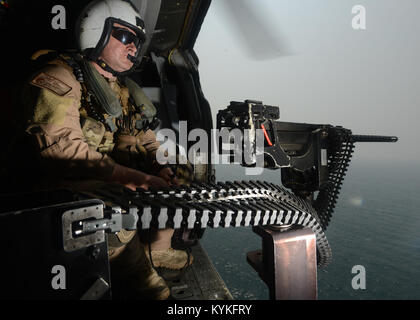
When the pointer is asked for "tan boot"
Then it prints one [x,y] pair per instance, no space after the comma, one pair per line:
[170,258]
[132,276]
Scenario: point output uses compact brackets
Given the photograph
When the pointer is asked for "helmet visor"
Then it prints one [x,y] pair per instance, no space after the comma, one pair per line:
[125,36]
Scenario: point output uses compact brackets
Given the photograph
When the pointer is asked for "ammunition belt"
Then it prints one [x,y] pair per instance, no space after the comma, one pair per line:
[338,161]
[228,204]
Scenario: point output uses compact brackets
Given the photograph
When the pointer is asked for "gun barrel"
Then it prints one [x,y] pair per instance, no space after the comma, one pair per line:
[372,138]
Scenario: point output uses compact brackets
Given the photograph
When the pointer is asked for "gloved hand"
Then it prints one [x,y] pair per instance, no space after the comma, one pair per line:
[169,176]
[134,179]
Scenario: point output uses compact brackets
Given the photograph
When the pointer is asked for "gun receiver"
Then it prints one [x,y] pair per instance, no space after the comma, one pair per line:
[312,157]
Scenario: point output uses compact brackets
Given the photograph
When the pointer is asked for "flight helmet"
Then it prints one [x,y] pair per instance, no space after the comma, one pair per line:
[95,25]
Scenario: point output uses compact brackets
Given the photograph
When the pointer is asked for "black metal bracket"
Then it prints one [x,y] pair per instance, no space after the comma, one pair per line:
[86,226]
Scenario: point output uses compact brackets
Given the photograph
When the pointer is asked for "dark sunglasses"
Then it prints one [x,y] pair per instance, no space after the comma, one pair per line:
[125,36]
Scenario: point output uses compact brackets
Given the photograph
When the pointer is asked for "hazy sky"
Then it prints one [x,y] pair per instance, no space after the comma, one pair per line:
[364,80]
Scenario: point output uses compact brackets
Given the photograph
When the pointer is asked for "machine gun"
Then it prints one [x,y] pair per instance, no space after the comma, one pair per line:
[312,157]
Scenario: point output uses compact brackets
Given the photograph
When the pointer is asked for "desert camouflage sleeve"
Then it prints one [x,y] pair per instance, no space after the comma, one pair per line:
[51,101]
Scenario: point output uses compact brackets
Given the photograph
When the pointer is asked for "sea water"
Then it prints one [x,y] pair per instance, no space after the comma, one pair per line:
[376,225]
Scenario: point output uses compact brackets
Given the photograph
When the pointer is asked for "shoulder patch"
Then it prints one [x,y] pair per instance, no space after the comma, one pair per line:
[55,85]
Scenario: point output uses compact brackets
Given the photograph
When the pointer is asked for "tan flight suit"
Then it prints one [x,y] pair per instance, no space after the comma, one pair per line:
[82,155]
[76,157]
[53,108]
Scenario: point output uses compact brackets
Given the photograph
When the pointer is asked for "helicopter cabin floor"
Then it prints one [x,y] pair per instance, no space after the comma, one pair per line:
[199,281]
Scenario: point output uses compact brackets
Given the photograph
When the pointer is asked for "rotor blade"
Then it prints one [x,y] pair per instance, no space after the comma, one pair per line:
[261,41]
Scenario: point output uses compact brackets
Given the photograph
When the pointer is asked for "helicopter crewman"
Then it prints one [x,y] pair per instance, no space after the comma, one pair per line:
[91,124]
